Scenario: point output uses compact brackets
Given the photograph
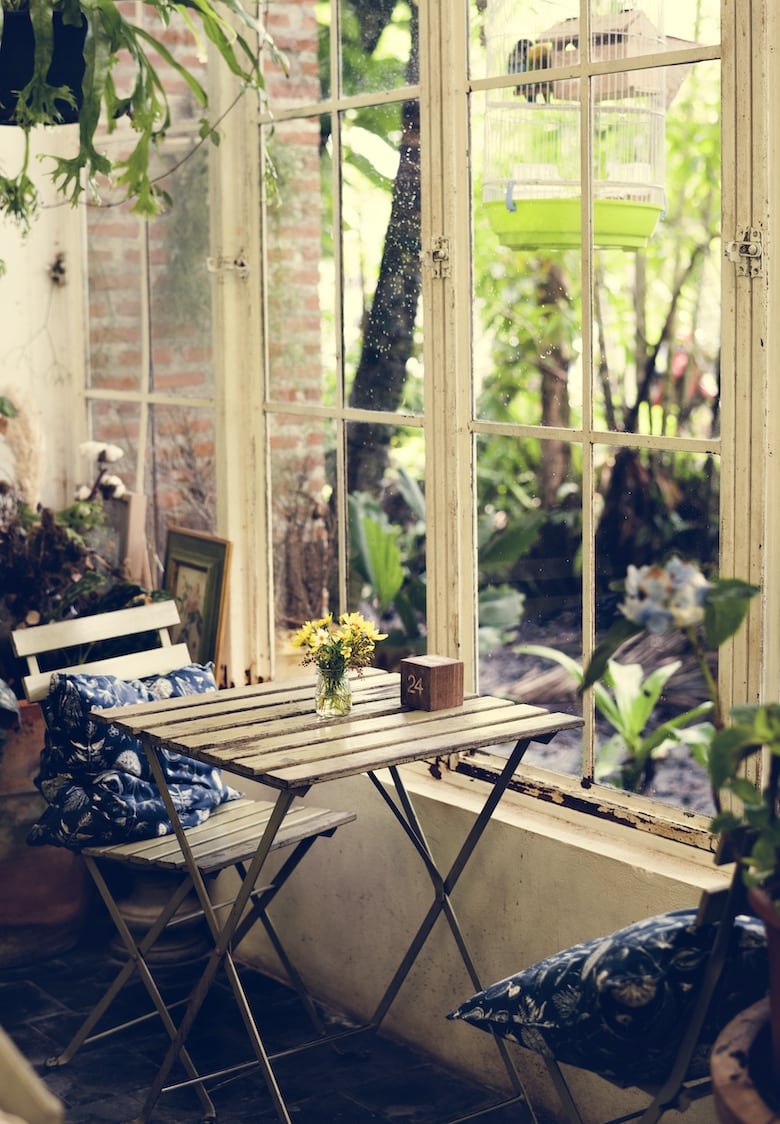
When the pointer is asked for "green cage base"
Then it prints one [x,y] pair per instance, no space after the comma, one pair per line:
[557,223]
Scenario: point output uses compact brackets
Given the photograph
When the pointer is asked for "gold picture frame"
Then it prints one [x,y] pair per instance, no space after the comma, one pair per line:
[196,575]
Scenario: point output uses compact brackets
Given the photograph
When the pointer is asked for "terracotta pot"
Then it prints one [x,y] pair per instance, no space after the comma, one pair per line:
[43,890]
[735,1056]
[17,49]
[762,905]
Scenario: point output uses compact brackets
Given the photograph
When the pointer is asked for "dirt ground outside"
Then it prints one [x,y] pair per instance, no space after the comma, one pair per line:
[678,780]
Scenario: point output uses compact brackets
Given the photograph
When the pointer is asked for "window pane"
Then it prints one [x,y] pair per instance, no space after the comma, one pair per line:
[377,46]
[303,518]
[301,275]
[179,283]
[527,361]
[181,463]
[657,312]
[300,33]
[381,248]
[529,565]
[116,271]
[387,526]
[653,505]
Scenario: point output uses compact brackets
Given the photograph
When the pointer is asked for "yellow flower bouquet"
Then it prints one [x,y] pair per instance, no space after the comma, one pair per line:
[336,648]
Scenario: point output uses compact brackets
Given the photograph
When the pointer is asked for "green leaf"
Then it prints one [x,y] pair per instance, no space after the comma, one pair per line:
[621,630]
[726,608]
[727,751]
[504,547]
[500,607]
[383,557]
[678,731]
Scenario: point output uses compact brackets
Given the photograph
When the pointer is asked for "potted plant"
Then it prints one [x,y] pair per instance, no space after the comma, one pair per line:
[51,567]
[678,596]
[41,85]
[746,1057]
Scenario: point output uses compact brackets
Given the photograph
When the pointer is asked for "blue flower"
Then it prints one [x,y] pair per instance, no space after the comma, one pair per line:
[662,597]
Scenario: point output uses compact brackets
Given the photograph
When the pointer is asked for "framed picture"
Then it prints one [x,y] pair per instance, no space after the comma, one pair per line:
[196,575]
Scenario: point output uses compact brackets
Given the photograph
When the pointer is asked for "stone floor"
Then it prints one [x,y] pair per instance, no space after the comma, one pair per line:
[369,1078]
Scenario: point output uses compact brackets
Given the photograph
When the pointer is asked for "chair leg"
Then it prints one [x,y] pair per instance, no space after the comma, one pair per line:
[564,1093]
[135,963]
[260,899]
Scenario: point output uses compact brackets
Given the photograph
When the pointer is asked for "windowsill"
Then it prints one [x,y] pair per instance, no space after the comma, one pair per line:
[651,853]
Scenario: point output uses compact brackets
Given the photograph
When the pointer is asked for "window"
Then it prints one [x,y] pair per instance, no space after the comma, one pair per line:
[505,419]
[596,132]
[150,379]
[493,349]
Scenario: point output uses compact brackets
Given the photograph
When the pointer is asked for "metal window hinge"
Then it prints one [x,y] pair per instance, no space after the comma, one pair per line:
[747,252]
[438,256]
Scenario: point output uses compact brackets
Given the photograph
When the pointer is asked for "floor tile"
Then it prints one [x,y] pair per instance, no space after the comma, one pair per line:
[364,1079]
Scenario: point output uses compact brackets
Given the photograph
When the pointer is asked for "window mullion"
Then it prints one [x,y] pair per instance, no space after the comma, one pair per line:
[238,343]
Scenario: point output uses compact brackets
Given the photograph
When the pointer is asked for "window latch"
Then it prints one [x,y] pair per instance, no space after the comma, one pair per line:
[747,252]
[238,265]
[438,256]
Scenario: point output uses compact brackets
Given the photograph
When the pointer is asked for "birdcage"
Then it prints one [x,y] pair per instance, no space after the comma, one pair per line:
[532,187]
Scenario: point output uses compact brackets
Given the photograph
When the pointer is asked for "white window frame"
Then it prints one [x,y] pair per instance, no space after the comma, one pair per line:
[749,446]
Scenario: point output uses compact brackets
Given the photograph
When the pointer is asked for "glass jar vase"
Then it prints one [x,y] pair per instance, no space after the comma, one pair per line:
[333,696]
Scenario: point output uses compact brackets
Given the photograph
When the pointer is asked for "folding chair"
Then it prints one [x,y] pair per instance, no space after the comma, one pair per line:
[517,1007]
[228,838]
[716,907]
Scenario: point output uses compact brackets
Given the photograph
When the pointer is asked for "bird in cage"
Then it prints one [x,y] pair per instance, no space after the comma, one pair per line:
[528,56]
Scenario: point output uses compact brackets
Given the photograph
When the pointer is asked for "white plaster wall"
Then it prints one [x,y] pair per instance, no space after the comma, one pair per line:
[42,324]
[540,881]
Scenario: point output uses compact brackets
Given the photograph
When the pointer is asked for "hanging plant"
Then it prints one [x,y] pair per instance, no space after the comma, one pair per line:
[57,60]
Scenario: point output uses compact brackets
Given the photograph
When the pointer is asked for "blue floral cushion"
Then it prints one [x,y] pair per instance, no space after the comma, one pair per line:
[619,1005]
[97,781]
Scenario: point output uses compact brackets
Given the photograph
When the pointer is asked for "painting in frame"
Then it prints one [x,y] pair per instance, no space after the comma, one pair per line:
[196,575]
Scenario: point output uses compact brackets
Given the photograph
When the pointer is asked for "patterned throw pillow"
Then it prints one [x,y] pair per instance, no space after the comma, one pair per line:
[97,781]
[619,1005]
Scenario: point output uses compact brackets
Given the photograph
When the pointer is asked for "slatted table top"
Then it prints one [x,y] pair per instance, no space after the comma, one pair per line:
[269,732]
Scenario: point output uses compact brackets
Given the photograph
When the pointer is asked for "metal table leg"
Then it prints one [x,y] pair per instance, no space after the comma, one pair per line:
[443,885]
[222,936]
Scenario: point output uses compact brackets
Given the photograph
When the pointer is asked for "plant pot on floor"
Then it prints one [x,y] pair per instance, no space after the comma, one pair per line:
[763,906]
[43,890]
[17,51]
[744,1085]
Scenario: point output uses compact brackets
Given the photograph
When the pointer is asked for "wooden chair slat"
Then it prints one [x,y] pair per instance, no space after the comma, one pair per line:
[89,630]
[136,665]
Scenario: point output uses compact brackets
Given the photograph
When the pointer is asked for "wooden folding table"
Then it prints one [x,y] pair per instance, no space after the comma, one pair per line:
[269,733]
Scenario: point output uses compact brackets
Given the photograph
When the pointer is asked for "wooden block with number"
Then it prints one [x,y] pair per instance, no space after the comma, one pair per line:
[431,682]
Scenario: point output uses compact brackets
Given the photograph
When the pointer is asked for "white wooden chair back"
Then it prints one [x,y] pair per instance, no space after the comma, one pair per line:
[80,633]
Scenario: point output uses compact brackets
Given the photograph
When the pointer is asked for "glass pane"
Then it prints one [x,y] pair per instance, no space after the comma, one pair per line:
[116,280]
[529,566]
[300,33]
[385,472]
[691,21]
[657,313]
[378,46]
[116,423]
[617,31]
[303,525]
[527,360]
[653,505]
[180,286]
[381,249]
[525,36]
[301,265]
[181,464]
